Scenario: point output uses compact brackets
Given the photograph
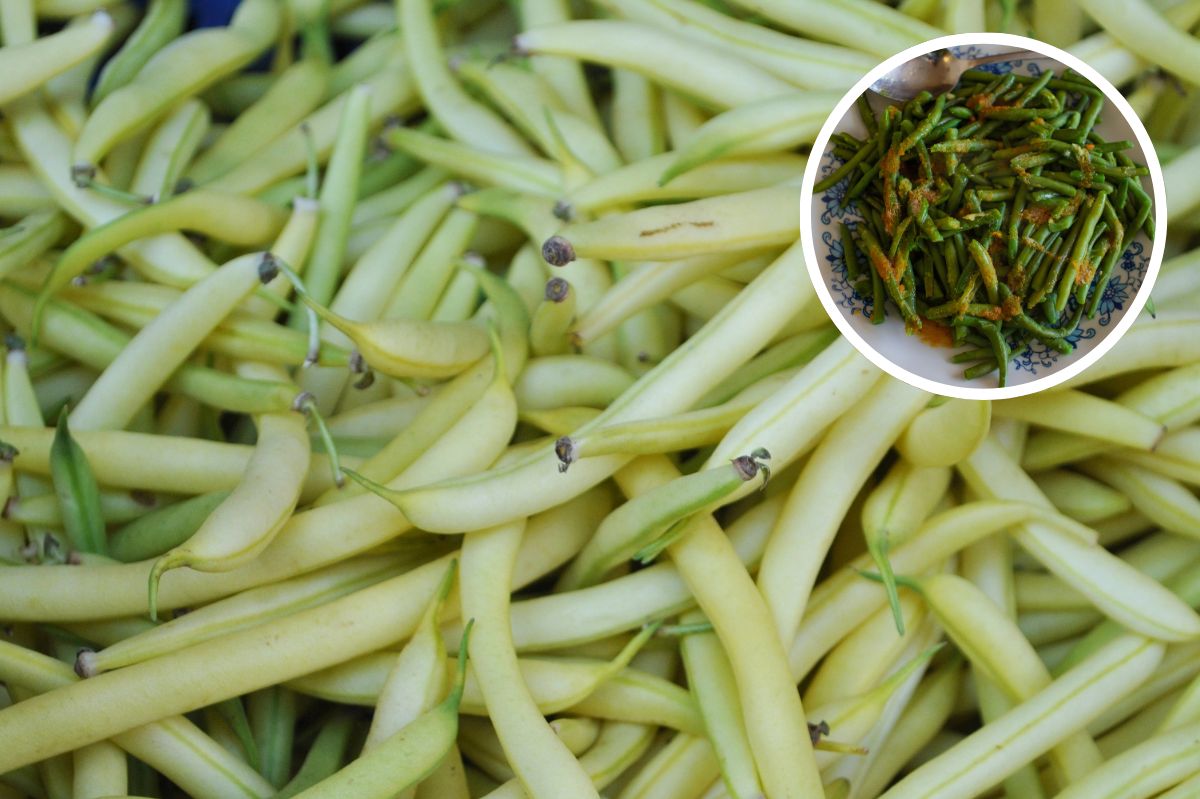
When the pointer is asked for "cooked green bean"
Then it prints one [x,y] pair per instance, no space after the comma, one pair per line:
[1041,180]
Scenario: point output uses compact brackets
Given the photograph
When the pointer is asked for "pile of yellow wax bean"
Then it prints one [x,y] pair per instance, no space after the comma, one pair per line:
[321,480]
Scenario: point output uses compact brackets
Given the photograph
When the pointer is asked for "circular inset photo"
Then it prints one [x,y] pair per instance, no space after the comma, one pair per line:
[979,214]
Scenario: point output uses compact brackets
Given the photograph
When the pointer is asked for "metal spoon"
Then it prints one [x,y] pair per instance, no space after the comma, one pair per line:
[937,73]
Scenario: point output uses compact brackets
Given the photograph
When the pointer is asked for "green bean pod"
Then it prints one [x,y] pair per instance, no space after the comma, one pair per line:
[78,495]
[635,525]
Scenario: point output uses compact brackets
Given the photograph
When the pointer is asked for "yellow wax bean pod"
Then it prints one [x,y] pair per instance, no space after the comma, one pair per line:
[639,181]
[798,61]
[715,78]
[850,719]
[173,745]
[167,258]
[483,393]
[681,118]
[658,434]
[411,347]
[775,720]
[255,606]
[865,656]
[425,281]
[823,493]
[292,247]
[552,319]
[27,67]
[391,92]
[923,717]
[553,381]
[864,26]
[711,680]
[759,311]
[894,510]
[293,95]
[418,675]
[753,128]
[184,68]
[1108,581]
[160,347]
[818,392]
[34,235]
[1177,668]
[759,218]
[587,686]
[1084,414]
[534,107]
[1032,727]
[945,433]
[339,189]
[625,602]
[544,765]
[237,220]
[1169,340]
[97,344]
[1166,502]
[21,192]
[638,129]
[169,149]
[1082,498]
[1174,457]
[535,216]
[405,758]
[363,61]
[525,173]
[459,114]
[683,767]
[618,747]
[1170,397]
[239,335]
[250,517]
[992,643]
[649,283]
[564,74]
[1144,770]
[100,770]
[162,22]
[845,600]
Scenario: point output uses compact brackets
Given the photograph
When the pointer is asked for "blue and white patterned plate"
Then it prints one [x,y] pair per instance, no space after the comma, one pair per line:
[910,353]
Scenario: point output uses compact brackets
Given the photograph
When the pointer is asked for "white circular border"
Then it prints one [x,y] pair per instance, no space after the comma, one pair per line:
[1122,325]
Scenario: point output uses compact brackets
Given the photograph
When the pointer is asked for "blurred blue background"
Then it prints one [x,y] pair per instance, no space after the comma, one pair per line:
[211,13]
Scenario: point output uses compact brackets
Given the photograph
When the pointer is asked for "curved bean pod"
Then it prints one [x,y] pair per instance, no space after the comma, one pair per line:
[186,67]
[237,220]
[250,517]
[26,67]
